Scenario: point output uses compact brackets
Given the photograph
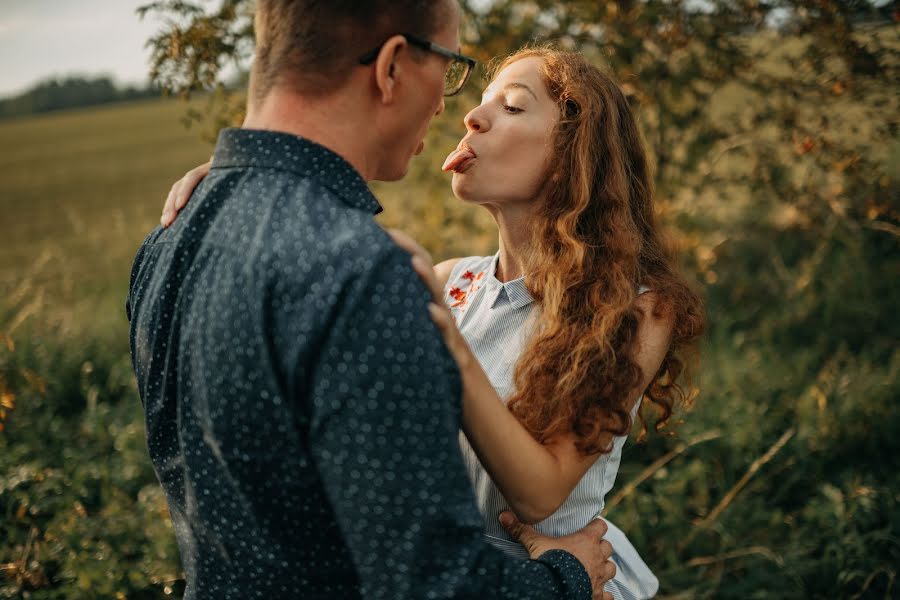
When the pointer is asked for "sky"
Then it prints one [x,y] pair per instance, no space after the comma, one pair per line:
[44,38]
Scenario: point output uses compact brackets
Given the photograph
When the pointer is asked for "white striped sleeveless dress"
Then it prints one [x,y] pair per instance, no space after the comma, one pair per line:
[496,319]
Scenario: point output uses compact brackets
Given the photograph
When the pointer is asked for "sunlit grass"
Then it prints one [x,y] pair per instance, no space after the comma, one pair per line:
[78,192]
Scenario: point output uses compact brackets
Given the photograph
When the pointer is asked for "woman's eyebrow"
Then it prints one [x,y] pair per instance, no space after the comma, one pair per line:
[522,86]
[512,85]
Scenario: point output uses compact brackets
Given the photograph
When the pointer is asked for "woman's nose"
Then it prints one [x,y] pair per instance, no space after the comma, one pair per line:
[475,120]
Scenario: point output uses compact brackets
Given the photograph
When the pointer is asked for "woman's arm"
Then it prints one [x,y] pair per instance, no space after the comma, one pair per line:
[534,478]
[537,478]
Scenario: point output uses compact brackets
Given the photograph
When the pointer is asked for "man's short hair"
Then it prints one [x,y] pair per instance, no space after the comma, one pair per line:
[312,45]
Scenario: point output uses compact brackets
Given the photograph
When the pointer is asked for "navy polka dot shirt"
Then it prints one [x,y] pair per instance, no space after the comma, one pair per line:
[301,409]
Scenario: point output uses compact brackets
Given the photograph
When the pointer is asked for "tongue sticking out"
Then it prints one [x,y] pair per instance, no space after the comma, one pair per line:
[458,160]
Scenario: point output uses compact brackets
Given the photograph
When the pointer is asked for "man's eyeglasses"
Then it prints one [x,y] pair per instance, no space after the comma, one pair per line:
[457,73]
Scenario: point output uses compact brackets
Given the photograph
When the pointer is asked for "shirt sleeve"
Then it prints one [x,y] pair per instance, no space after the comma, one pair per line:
[385,413]
[136,269]
[133,298]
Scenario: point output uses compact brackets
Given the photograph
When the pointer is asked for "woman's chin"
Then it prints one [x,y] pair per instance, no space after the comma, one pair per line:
[463,188]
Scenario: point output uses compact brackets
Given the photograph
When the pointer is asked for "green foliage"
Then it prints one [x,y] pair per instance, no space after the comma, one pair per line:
[83,515]
[776,153]
[190,53]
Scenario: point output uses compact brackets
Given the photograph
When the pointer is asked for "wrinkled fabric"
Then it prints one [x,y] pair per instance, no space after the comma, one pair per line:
[301,408]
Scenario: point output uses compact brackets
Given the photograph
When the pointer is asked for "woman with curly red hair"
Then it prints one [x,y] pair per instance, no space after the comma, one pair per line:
[581,313]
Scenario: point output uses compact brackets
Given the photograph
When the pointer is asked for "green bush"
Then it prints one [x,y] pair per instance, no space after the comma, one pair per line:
[83,514]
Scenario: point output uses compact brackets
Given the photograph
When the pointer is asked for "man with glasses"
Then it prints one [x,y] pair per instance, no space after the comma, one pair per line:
[301,409]
[458,69]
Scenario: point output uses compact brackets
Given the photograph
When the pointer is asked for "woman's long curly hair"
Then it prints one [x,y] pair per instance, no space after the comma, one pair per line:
[596,239]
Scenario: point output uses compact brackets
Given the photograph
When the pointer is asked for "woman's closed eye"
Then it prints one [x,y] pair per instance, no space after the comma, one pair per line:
[511,109]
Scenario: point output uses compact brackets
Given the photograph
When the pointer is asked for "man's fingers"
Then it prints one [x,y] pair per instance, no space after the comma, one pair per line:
[606,549]
[609,571]
[596,527]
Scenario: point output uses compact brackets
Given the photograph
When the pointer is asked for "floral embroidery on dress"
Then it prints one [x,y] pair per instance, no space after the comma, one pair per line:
[460,295]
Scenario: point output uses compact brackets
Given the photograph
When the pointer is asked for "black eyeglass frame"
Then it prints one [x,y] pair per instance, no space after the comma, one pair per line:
[369,57]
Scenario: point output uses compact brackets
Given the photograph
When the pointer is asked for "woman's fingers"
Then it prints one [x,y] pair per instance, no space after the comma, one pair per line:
[181,192]
[440,314]
[407,243]
[521,532]
[190,182]
[168,212]
[421,262]
[442,318]
[426,271]
[453,339]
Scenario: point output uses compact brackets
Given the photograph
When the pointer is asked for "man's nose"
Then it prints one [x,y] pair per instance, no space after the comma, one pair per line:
[440,107]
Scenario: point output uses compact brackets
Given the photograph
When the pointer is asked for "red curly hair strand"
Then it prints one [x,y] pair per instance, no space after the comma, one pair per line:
[596,238]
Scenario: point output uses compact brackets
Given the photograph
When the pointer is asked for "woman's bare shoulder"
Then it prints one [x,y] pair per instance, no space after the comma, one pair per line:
[443,269]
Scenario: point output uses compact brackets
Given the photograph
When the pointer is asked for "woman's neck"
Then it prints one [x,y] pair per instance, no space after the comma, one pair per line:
[515,241]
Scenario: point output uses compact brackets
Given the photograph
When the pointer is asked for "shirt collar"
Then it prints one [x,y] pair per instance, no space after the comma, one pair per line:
[288,152]
[515,290]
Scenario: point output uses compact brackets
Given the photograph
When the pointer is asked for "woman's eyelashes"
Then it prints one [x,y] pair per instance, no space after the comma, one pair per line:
[511,105]
[512,108]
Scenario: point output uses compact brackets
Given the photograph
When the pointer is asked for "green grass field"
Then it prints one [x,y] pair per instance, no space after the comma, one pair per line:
[78,192]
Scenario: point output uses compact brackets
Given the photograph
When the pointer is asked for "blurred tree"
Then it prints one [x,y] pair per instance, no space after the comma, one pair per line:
[193,50]
[683,63]
[70,92]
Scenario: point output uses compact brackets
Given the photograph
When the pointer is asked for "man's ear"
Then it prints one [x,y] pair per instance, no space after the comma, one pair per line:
[387,67]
